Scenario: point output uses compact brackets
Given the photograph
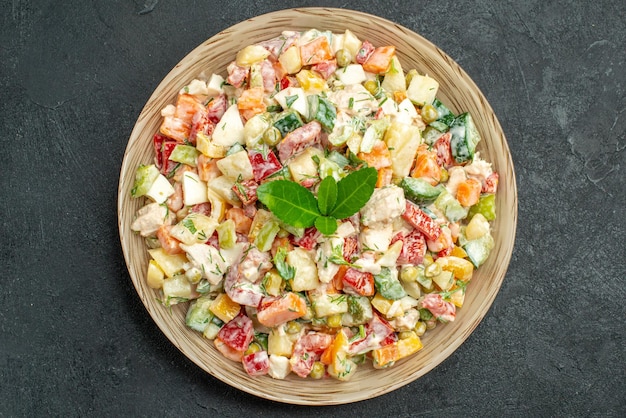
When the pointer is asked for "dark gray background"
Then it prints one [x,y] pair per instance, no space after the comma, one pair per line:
[75,339]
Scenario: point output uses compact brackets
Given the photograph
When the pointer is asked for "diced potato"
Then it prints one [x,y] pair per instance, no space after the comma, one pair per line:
[254,129]
[261,217]
[444,280]
[155,275]
[351,43]
[279,343]
[457,298]
[224,308]
[402,141]
[272,283]
[394,80]
[293,98]
[328,304]
[351,74]
[279,367]
[389,258]
[229,130]
[218,205]
[170,264]
[477,227]
[222,185]
[251,54]
[194,189]
[215,85]
[236,166]
[290,60]
[176,289]
[303,166]
[194,228]
[306,270]
[160,190]
[422,90]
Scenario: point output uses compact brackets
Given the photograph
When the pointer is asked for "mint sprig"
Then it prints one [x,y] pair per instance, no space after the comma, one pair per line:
[296,205]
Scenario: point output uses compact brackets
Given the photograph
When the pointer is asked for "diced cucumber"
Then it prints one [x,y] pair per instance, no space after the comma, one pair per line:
[338,159]
[388,284]
[419,190]
[464,138]
[451,207]
[478,249]
[323,111]
[287,121]
[185,154]
[432,134]
[266,235]
[199,315]
[486,206]
[145,176]
[445,116]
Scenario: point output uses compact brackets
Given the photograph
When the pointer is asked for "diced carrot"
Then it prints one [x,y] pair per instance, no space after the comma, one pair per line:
[316,51]
[385,175]
[170,244]
[276,311]
[468,192]
[251,102]
[426,166]
[338,277]
[207,168]
[242,222]
[187,106]
[379,157]
[378,62]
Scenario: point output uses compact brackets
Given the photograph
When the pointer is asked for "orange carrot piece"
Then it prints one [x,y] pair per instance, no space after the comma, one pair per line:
[251,102]
[316,51]
[170,244]
[276,311]
[379,157]
[385,175]
[426,166]
[468,192]
[378,62]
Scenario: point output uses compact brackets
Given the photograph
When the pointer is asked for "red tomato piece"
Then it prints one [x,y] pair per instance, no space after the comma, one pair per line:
[307,350]
[420,220]
[263,165]
[308,239]
[491,183]
[168,165]
[359,282]
[216,108]
[256,364]
[200,123]
[444,151]
[237,333]
[364,53]
[413,247]
[442,310]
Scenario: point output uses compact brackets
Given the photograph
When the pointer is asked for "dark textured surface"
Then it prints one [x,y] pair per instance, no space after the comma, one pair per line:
[74,337]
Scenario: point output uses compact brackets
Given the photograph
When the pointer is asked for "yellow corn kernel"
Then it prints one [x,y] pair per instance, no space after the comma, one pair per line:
[460,267]
[155,275]
[224,308]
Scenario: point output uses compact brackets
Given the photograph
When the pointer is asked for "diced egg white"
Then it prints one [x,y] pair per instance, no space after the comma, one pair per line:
[229,130]
[298,103]
[194,189]
[215,85]
[351,74]
[160,190]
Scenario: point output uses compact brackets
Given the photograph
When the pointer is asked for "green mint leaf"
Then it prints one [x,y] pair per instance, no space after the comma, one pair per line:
[327,225]
[353,192]
[327,195]
[286,271]
[290,202]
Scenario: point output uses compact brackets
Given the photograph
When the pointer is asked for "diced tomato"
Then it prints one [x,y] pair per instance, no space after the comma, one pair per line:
[157,142]
[350,247]
[170,244]
[413,247]
[316,51]
[308,239]
[468,192]
[251,102]
[378,332]
[445,252]
[263,165]
[337,281]
[364,53]
[307,350]
[236,75]
[238,332]
[246,191]
[379,157]
[444,151]
[420,220]
[379,60]
[359,282]
[287,82]
[274,311]
[227,351]
[325,68]
[299,139]
[491,183]
[426,166]
[242,222]
[216,108]
[442,310]
[207,168]
[256,364]
[168,165]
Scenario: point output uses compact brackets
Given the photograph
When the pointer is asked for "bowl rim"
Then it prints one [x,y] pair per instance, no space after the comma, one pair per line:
[253,387]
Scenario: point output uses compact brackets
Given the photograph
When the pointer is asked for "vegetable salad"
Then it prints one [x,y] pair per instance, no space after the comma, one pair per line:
[315,206]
